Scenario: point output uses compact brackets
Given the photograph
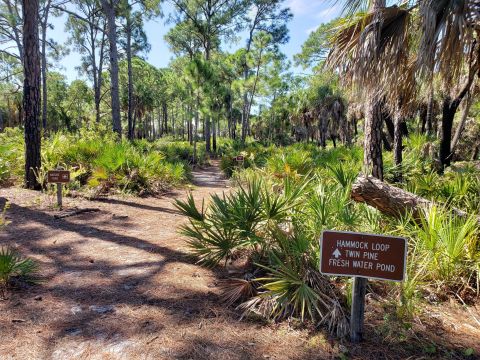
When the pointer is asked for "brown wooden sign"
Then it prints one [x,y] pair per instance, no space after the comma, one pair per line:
[240,158]
[58,176]
[366,255]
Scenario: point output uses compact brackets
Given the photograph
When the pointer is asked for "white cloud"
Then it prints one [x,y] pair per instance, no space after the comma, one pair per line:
[302,7]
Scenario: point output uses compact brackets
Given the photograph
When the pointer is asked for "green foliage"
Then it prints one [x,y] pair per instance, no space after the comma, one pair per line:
[447,247]
[96,159]
[11,156]
[3,220]
[265,220]
[13,266]
[287,196]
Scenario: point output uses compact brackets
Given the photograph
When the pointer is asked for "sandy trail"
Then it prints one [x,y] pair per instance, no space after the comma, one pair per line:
[119,285]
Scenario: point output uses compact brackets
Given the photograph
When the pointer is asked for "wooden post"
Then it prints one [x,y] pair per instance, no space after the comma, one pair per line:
[59,195]
[358,309]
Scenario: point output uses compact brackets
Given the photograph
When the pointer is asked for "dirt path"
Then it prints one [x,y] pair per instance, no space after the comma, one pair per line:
[118,284]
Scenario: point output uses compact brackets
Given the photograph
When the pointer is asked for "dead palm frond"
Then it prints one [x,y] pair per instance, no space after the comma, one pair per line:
[448,30]
[235,290]
[372,53]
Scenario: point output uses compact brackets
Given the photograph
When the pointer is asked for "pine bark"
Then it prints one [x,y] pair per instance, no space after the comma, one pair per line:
[130,76]
[31,92]
[44,25]
[108,7]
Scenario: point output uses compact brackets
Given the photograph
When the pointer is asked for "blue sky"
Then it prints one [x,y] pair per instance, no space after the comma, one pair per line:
[308,15]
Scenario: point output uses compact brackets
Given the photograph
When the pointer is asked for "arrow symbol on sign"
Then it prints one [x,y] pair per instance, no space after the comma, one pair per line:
[337,253]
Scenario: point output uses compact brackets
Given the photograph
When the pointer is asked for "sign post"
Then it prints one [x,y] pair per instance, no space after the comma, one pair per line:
[240,159]
[362,256]
[59,177]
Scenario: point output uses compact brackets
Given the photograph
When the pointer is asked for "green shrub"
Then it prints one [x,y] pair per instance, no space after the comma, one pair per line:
[281,242]
[265,221]
[3,220]
[96,159]
[13,266]
[12,156]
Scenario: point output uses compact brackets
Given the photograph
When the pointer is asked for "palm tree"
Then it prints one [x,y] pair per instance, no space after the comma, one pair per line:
[370,50]
[375,52]
[449,46]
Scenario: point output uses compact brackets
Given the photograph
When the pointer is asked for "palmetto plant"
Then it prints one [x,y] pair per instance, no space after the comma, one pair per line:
[267,223]
[448,247]
[345,174]
[12,265]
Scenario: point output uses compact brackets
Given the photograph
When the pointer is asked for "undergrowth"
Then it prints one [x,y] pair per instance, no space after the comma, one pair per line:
[286,197]
[99,162]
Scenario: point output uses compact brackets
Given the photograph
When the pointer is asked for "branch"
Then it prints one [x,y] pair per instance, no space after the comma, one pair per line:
[75,15]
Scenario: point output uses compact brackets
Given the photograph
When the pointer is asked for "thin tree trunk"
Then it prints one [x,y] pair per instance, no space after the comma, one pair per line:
[44,25]
[461,125]
[165,118]
[130,74]
[109,10]
[18,40]
[249,106]
[31,92]
[214,132]
[98,87]
[430,114]
[195,130]
[208,146]
[397,147]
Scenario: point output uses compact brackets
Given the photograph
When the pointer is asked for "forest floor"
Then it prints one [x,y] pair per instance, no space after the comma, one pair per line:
[118,284]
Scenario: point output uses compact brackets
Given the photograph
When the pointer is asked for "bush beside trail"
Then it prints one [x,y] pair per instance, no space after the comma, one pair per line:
[287,196]
[100,163]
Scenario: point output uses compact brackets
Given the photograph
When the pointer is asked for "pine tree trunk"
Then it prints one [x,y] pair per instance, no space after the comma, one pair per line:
[195,129]
[109,11]
[130,76]
[44,65]
[165,118]
[31,92]
[99,71]
[214,132]
[208,147]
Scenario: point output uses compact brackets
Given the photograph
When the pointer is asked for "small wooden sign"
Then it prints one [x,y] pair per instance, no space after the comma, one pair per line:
[58,176]
[240,158]
[365,255]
